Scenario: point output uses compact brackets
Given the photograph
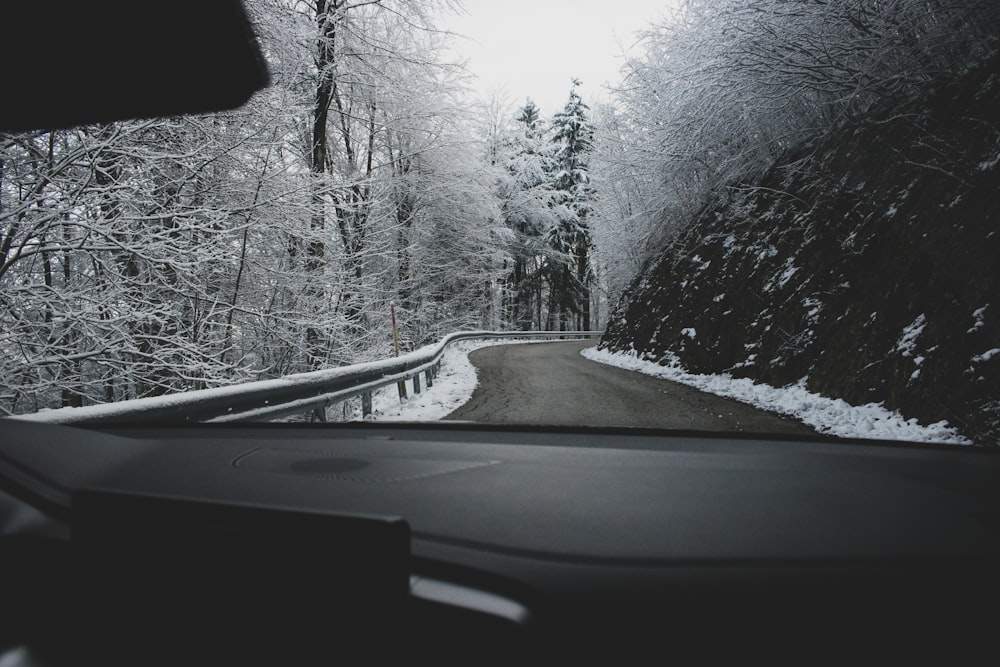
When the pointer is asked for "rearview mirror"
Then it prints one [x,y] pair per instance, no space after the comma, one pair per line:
[74,63]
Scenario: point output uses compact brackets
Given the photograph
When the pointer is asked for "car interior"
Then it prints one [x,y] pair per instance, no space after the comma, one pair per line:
[454,543]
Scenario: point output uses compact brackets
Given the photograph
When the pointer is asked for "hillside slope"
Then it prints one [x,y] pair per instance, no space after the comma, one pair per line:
[869,269]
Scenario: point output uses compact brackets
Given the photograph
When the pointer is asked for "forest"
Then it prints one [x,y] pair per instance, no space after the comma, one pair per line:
[152,256]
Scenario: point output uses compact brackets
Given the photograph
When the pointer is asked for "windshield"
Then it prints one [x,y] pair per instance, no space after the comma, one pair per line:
[763,217]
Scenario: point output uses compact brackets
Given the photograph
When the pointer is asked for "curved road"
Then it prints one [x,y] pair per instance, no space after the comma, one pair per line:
[552,384]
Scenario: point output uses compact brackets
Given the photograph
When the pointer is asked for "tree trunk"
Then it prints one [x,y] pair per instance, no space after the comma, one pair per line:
[583,276]
[316,343]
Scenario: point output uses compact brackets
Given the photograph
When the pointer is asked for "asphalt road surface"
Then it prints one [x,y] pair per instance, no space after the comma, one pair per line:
[552,384]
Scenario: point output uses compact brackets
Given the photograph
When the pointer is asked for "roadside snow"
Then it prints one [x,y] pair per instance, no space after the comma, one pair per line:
[827,415]
[180,400]
[452,388]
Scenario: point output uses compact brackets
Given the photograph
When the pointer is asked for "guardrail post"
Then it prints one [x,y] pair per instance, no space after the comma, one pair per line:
[366,404]
[429,378]
[318,414]
[416,383]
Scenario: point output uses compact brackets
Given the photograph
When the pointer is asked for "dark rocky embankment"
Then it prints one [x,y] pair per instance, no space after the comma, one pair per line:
[868,265]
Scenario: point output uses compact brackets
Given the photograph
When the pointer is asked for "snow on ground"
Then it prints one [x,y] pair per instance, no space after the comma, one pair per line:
[829,416]
[452,388]
[457,380]
[180,400]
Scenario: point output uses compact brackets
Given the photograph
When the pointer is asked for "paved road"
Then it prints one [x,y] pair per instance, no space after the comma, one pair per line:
[551,384]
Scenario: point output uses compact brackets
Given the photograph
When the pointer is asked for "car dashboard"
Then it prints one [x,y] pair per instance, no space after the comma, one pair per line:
[298,544]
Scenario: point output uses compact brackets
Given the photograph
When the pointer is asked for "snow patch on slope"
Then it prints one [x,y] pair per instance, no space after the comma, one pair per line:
[907,343]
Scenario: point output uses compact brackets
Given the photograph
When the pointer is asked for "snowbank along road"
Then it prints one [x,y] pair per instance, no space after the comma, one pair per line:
[551,384]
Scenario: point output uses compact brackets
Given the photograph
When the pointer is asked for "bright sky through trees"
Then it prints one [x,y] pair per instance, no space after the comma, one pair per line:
[533,48]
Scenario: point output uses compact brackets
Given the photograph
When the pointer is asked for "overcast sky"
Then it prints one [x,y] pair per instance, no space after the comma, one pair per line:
[534,48]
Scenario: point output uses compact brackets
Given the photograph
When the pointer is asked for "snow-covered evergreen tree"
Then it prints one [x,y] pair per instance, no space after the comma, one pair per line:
[570,279]
[530,118]
[526,198]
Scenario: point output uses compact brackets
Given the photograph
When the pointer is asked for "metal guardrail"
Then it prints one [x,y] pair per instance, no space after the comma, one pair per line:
[292,394]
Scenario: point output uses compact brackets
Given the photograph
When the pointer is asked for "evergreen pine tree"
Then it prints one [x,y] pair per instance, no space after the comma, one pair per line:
[529,118]
[526,200]
[572,139]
